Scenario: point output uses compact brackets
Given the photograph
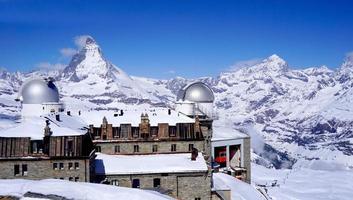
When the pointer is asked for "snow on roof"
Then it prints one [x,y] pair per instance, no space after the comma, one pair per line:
[75,190]
[148,164]
[33,127]
[133,117]
[226,133]
[239,189]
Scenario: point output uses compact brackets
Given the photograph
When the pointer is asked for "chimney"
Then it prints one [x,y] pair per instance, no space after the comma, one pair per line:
[169,111]
[121,113]
[79,112]
[105,121]
[194,154]
[47,131]
[57,117]
[69,113]
[144,126]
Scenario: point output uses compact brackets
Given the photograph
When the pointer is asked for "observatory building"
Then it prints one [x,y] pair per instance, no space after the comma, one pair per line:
[195,99]
[39,96]
[45,143]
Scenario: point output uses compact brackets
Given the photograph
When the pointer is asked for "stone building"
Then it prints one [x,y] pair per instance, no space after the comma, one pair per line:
[176,175]
[163,140]
[172,151]
[45,143]
[152,150]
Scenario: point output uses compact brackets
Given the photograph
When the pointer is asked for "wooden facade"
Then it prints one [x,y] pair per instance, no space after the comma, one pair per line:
[50,146]
[50,157]
[14,147]
[146,132]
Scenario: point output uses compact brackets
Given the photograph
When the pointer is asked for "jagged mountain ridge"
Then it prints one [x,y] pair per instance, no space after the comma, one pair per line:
[299,114]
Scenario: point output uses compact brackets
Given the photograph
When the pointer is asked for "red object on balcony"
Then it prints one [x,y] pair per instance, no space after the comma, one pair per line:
[221,157]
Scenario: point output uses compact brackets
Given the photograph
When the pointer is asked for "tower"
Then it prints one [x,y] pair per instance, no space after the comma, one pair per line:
[144,126]
[196,101]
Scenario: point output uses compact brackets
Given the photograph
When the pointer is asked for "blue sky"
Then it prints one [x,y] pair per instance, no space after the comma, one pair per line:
[166,38]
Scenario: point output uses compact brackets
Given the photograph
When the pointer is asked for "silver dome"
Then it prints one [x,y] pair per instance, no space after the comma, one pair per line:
[38,91]
[196,92]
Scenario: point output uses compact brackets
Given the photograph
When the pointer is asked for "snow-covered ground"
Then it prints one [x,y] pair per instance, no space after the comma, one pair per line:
[74,190]
[313,180]
[239,189]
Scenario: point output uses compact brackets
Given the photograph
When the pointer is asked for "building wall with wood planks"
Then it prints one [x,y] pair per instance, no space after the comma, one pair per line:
[14,147]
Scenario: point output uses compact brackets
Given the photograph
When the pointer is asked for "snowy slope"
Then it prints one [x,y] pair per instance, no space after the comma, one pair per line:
[315,180]
[73,190]
[239,189]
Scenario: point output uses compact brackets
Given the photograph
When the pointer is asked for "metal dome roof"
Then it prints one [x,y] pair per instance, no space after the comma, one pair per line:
[38,91]
[196,92]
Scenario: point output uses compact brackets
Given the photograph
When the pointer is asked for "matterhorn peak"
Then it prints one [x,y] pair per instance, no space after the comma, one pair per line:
[90,40]
[88,62]
[91,47]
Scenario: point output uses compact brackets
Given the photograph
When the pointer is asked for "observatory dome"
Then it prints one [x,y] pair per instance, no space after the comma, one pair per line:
[39,91]
[196,92]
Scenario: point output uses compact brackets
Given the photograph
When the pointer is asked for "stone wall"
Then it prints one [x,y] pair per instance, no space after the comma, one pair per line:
[181,186]
[146,147]
[247,159]
[44,168]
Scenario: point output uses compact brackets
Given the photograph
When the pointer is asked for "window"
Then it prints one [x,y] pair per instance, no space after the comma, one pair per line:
[70,147]
[173,147]
[34,147]
[55,166]
[135,183]
[24,170]
[135,132]
[156,182]
[155,148]
[197,198]
[77,165]
[71,166]
[61,178]
[97,133]
[136,148]
[172,131]
[77,179]
[115,182]
[61,166]
[16,170]
[117,149]
[98,149]
[183,130]
[124,130]
[71,178]
[116,132]
[154,131]
[191,146]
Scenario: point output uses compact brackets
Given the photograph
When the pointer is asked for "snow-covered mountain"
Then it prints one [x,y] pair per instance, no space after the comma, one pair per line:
[291,114]
[301,119]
